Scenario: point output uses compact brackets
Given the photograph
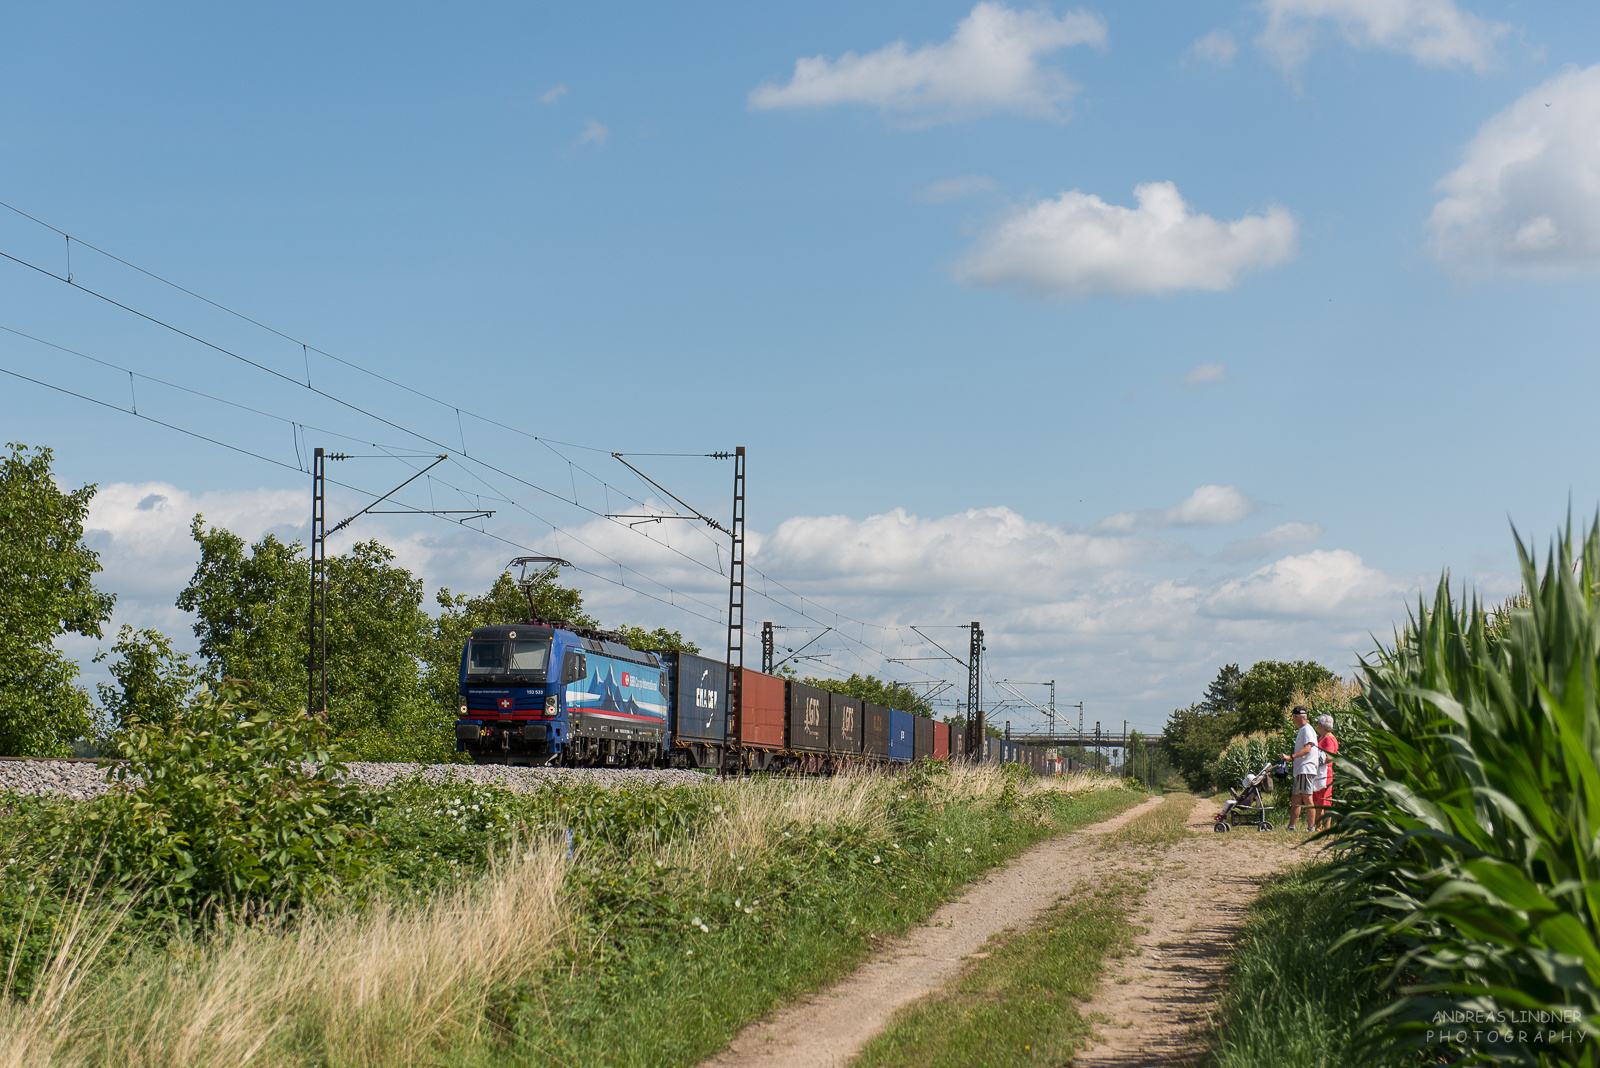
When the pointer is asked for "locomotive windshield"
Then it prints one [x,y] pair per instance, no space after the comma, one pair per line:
[508,657]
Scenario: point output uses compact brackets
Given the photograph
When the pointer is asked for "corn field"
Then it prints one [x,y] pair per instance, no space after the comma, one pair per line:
[1473,825]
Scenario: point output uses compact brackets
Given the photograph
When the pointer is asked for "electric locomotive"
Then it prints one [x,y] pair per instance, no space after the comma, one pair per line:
[545,693]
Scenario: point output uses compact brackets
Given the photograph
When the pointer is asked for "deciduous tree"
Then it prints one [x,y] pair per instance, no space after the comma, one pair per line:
[46,590]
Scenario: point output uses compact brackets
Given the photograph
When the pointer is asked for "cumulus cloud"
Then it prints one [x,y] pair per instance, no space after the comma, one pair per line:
[1206,374]
[141,530]
[553,94]
[1436,33]
[1526,198]
[1285,537]
[1323,583]
[1117,608]
[594,133]
[991,63]
[1216,49]
[953,188]
[1205,507]
[1077,246]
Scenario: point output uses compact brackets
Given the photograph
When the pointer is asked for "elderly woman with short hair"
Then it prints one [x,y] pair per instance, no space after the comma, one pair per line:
[1322,800]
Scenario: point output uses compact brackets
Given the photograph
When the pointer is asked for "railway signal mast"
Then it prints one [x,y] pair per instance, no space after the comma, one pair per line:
[735,566]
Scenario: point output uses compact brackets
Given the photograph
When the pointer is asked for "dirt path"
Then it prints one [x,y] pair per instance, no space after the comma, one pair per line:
[830,1027]
[1154,1007]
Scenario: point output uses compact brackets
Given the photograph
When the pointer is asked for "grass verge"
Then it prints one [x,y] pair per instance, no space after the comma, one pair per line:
[685,913]
[1293,998]
[825,894]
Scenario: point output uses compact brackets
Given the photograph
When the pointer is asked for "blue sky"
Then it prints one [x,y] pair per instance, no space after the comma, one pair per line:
[1154,338]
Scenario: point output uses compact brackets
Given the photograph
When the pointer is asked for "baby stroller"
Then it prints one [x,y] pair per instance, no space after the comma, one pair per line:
[1248,798]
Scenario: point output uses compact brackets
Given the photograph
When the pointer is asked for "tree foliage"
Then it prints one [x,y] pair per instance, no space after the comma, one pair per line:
[1235,703]
[661,639]
[154,681]
[1265,690]
[252,607]
[46,590]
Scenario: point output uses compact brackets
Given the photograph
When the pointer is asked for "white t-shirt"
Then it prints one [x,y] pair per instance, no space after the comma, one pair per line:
[1306,763]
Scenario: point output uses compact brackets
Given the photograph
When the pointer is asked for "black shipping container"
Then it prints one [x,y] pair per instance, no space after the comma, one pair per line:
[875,736]
[808,717]
[922,741]
[844,723]
[698,711]
[958,742]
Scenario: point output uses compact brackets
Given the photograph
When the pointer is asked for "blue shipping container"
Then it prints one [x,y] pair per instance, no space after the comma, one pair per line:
[902,734]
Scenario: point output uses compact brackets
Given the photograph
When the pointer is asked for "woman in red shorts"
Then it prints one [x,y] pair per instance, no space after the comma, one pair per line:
[1323,798]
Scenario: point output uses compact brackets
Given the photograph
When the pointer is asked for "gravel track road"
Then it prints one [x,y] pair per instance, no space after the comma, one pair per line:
[1153,1008]
[830,1027]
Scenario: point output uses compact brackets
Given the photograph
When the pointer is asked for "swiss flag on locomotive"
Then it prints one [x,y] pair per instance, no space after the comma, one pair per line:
[627,680]
[505,703]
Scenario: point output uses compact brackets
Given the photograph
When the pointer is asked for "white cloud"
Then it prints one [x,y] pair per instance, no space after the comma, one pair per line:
[1207,374]
[1436,33]
[553,94]
[952,188]
[1326,584]
[1285,537]
[1207,506]
[594,133]
[1115,611]
[1078,246]
[1526,199]
[1216,48]
[141,530]
[990,64]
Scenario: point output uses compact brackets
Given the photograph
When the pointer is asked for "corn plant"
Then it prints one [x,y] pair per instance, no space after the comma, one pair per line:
[1474,823]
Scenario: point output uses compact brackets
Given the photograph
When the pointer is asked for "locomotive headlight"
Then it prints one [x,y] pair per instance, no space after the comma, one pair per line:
[550,705]
[463,711]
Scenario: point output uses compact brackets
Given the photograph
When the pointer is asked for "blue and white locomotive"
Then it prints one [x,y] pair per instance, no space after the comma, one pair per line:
[533,693]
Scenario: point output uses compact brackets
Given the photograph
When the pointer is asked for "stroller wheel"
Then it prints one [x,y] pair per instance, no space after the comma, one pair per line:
[1221,826]
[1263,826]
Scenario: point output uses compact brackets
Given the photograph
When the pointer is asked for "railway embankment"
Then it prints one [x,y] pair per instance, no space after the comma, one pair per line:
[82,780]
[644,925]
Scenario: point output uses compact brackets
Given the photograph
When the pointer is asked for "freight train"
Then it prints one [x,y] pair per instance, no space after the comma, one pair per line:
[546,693]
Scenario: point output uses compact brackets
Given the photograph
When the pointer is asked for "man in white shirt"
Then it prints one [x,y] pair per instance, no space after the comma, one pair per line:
[1307,767]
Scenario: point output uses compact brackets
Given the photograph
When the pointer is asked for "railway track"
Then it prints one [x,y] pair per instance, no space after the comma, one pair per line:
[82,778]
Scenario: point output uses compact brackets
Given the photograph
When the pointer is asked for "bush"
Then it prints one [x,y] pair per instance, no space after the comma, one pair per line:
[228,805]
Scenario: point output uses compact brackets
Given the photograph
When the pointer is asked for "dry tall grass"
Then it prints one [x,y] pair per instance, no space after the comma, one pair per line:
[756,813]
[386,986]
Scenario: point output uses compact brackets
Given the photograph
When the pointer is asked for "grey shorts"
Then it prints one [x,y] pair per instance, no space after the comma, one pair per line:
[1307,784]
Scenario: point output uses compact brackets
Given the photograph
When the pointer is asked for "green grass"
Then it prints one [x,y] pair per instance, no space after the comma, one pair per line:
[1156,829]
[1292,997]
[667,996]
[686,913]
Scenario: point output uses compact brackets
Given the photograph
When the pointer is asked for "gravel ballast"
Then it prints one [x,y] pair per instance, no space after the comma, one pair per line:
[82,780]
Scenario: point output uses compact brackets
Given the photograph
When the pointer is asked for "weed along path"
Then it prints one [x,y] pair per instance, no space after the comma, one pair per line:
[1154,1006]
[830,1027]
